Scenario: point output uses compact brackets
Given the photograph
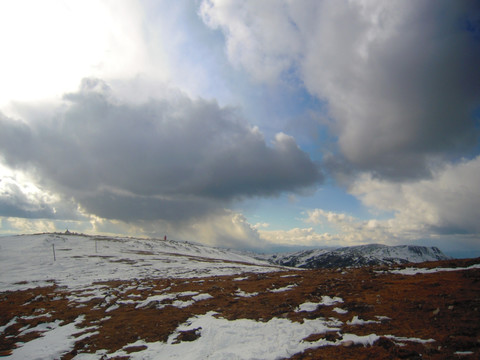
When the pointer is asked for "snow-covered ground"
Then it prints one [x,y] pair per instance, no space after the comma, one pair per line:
[218,338]
[76,260]
[81,266]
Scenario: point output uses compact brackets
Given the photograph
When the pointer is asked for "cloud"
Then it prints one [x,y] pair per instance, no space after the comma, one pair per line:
[14,202]
[401,78]
[20,197]
[318,215]
[253,40]
[350,230]
[444,208]
[230,230]
[447,204]
[52,45]
[15,225]
[227,229]
[299,237]
[175,158]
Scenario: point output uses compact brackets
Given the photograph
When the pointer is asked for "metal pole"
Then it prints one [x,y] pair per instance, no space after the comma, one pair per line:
[53,247]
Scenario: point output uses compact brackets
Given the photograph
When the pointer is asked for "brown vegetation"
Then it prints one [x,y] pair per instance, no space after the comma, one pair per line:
[444,306]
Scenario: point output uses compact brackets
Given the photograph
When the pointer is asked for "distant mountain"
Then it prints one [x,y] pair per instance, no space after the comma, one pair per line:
[374,254]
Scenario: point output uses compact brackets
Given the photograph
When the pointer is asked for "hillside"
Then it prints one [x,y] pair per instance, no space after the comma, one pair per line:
[79,260]
[373,254]
[245,311]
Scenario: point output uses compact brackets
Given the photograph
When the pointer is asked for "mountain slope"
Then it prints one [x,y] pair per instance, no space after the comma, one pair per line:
[374,254]
[75,260]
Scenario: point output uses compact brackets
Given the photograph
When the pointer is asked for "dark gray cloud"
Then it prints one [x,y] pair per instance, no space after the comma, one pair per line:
[22,199]
[171,159]
[134,208]
[400,78]
[402,81]
[14,202]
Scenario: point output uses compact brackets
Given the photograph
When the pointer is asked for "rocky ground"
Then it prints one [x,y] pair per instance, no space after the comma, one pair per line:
[364,313]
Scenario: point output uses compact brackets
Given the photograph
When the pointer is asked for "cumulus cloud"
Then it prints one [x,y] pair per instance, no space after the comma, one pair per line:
[350,230]
[442,208]
[318,215]
[299,237]
[401,78]
[174,159]
[344,230]
[448,203]
[253,40]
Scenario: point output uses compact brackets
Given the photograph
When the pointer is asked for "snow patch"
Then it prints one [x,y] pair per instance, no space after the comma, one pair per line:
[113,307]
[326,301]
[201,297]
[242,293]
[55,342]
[415,271]
[241,278]
[157,300]
[410,339]
[7,325]
[236,339]
[285,288]
[329,301]
[308,306]
[357,321]
[363,340]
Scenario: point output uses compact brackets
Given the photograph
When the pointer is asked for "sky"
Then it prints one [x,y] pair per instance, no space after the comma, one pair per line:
[261,125]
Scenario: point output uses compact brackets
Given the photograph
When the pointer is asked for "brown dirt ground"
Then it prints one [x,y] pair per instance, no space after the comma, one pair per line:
[444,306]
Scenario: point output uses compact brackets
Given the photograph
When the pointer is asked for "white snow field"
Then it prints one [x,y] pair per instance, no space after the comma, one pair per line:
[76,260]
[237,339]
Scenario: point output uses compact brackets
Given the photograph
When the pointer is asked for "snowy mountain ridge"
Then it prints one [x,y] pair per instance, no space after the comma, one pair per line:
[76,260]
[372,254]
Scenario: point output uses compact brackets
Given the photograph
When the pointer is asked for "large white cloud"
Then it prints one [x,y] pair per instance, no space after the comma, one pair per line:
[449,203]
[401,78]
[260,35]
[444,209]
[299,237]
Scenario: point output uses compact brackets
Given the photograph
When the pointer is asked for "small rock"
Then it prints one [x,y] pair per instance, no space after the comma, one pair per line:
[188,335]
[436,311]
[347,343]
[450,307]
[331,336]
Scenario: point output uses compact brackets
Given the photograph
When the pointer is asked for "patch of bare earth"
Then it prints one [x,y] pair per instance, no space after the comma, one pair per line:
[443,306]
